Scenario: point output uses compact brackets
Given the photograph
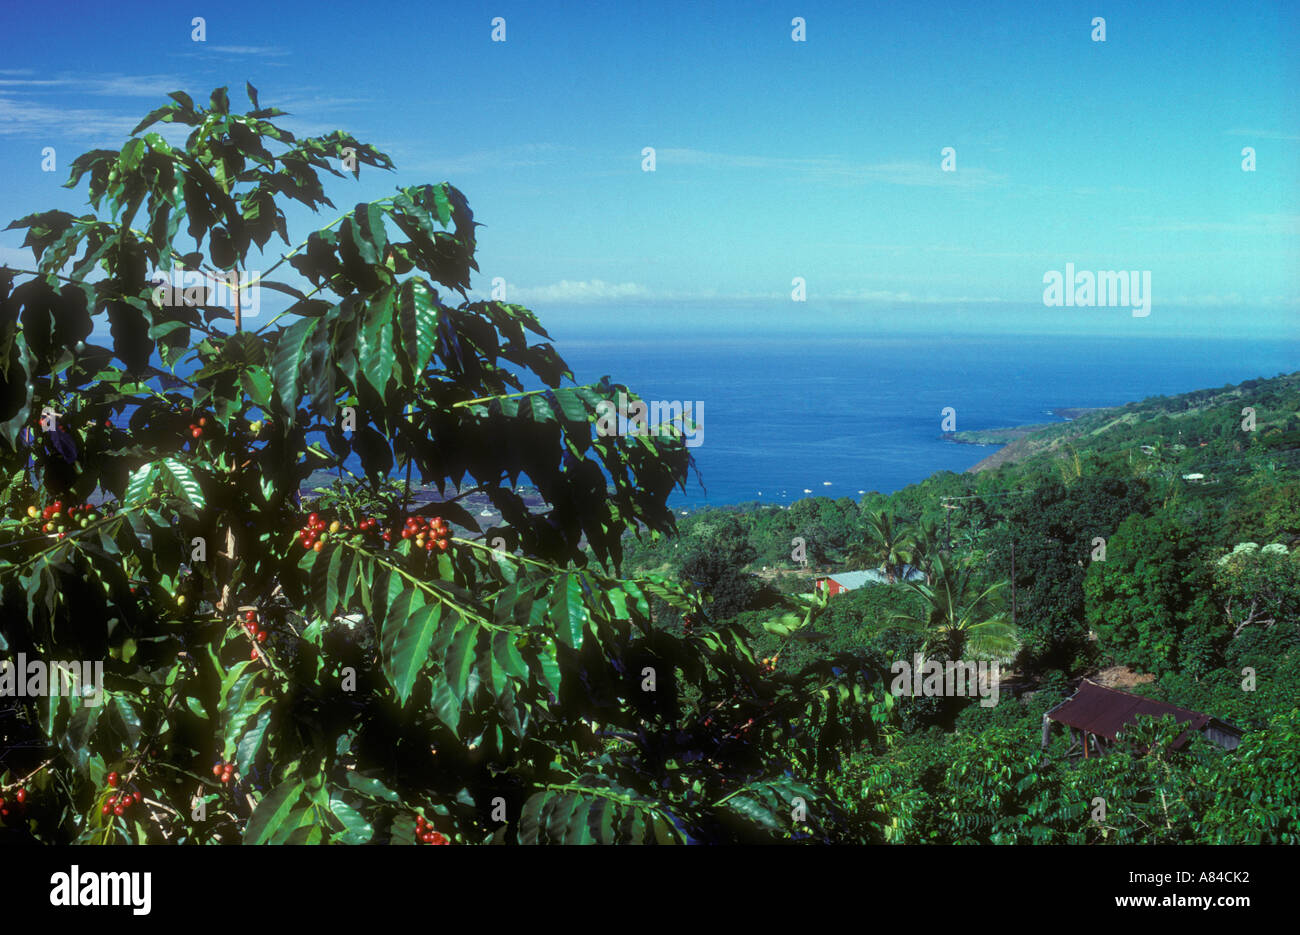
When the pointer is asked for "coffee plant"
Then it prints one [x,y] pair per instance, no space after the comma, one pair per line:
[363,668]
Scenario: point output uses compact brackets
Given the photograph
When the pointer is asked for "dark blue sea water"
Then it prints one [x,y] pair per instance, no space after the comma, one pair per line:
[840,414]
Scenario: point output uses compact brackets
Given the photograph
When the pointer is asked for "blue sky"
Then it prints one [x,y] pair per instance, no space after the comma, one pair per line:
[775,159]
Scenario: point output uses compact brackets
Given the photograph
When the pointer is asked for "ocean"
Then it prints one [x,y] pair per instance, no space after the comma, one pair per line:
[836,413]
[839,414]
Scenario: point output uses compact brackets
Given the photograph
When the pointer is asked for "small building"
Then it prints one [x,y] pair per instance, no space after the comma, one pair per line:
[1095,714]
[843,581]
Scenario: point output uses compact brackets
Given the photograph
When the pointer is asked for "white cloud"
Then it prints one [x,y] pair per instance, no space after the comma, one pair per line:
[24,118]
[250,49]
[596,290]
[581,291]
[30,108]
[102,85]
[907,298]
[521,156]
[836,169]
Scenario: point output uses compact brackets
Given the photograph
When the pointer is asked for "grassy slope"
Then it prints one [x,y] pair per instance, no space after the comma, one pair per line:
[1091,428]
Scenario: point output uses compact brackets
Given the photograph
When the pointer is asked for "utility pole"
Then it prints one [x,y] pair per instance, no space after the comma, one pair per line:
[947,524]
[1013,581]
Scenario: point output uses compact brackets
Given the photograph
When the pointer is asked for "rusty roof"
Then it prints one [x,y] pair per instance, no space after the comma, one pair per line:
[1105,711]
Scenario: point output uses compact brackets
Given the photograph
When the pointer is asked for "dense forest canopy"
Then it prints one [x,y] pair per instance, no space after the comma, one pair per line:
[1158,542]
[363,666]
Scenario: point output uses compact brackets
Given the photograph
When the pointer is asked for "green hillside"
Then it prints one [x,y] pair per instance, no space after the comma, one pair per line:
[1153,546]
[1187,429]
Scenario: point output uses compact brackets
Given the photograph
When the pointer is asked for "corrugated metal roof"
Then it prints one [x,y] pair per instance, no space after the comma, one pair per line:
[852,580]
[1105,711]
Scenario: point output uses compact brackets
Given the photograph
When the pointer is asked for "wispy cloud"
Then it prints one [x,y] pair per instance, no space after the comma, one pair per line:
[28,119]
[835,169]
[29,107]
[34,108]
[249,49]
[205,52]
[100,85]
[576,292]
[596,291]
[521,156]
[872,296]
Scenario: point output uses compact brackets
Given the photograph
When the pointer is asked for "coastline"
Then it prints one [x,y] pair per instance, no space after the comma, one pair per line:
[1011,433]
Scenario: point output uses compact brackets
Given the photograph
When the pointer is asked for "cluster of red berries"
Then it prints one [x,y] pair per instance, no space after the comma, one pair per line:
[57,520]
[768,665]
[255,632]
[120,803]
[224,771]
[735,732]
[688,623]
[19,798]
[742,729]
[316,534]
[425,833]
[429,534]
[196,428]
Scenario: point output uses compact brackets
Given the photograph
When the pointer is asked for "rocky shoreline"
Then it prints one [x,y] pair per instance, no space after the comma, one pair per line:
[1011,433]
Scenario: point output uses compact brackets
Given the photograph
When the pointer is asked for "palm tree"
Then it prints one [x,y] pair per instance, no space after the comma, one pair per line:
[928,548]
[954,616]
[887,545]
[1070,465]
